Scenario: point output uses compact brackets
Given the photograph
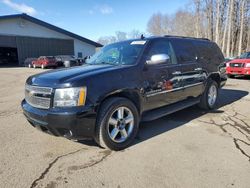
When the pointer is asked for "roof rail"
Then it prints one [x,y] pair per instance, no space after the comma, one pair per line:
[204,39]
[186,37]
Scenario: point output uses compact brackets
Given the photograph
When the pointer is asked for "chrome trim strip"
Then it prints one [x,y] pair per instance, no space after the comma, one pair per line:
[191,85]
[162,92]
[37,89]
[172,90]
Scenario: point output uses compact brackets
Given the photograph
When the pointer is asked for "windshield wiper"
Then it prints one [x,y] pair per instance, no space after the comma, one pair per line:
[108,63]
[104,63]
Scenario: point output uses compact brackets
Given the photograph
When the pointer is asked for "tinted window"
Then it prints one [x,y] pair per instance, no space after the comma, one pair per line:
[184,50]
[162,47]
[208,52]
[245,55]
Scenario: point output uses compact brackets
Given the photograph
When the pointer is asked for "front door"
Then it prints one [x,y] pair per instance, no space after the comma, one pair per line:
[162,82]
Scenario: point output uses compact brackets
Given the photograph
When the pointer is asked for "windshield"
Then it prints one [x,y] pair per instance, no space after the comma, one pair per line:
[122,53]
[245,55]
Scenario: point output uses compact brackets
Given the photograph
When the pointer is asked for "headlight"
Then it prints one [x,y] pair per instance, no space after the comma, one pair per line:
[248,65]
[69,97]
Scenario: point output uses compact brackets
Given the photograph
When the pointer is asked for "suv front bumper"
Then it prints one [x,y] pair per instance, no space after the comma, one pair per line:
[72,123]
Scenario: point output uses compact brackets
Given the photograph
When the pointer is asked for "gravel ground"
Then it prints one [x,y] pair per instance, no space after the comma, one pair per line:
[190,148]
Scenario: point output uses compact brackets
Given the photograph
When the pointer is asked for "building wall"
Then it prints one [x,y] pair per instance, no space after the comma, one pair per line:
[23,27]
[37,46]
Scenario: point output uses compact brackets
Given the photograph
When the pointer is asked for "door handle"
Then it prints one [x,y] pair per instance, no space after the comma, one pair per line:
[198,69]
[176,73]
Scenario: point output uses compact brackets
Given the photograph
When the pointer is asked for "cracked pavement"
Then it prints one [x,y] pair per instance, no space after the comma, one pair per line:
[190,148]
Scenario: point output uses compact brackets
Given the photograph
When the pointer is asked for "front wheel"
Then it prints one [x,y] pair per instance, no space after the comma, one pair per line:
[209,97]
[117,124]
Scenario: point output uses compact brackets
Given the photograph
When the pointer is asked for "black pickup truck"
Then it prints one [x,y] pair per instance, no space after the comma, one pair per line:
[122,85]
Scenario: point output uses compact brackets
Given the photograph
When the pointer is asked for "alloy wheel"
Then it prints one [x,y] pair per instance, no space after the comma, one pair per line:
[120,124]
[212,95]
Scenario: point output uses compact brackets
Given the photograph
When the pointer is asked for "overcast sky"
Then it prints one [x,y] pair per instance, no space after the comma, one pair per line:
[93,18]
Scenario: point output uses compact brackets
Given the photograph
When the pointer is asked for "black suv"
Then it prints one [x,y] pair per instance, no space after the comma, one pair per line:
[122,85]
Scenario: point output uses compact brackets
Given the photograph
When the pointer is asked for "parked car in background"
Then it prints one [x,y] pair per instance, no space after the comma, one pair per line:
[122,84]
[28,62]
[82,61]
[239,66]
[66,60]
[44,62]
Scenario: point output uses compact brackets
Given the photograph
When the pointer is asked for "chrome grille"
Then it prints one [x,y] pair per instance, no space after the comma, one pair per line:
[39,97]
[236,64]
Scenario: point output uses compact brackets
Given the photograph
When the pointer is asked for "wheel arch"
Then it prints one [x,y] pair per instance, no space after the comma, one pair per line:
[216,77]
[131,95]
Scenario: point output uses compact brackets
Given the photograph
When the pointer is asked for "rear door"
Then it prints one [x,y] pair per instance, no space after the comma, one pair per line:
[162,82]
[193,76]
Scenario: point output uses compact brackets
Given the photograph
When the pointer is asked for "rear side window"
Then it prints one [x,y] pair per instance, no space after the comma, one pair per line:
[245,55]
[185,51]
[162,47]
[208,52]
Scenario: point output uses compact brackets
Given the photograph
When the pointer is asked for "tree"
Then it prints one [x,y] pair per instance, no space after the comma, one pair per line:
[209,8]
[159,24]
[218,20]
[242,22]
[134,34]
[225,28]
[120,35]
[197,4]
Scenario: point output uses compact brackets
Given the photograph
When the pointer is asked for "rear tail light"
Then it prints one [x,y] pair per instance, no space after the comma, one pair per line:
[248,65]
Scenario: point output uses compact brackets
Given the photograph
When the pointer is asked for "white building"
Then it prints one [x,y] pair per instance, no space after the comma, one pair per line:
[24,36]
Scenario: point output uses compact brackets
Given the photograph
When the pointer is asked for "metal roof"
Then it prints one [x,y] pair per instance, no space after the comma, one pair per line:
[50,26]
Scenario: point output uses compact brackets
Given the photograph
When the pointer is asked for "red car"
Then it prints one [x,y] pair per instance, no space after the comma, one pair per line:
[45,61]
[239,66]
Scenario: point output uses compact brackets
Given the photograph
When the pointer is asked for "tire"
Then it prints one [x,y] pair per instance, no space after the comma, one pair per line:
[210,96]
[109,124]
[230,76]
[42,66]
[34,66]
[29,66]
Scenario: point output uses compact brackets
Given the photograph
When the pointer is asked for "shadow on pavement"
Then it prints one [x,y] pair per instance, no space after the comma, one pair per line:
[153,128]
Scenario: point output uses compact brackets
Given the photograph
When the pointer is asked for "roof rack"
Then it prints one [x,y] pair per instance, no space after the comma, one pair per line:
[186,37]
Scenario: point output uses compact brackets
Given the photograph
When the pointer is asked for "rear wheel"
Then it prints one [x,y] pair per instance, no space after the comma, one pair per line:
[117,124]
[34,66]
[209,97]
[42,66]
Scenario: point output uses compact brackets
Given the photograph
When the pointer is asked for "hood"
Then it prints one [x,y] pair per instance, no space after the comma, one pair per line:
[66,76]
[240,61]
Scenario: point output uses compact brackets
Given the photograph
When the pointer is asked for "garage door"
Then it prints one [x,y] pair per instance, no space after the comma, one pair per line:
[35,47]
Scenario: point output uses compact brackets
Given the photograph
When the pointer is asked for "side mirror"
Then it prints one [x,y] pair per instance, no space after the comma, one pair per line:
[158,59]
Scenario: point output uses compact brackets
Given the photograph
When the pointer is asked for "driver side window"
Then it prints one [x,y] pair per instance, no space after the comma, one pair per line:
[162,47]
